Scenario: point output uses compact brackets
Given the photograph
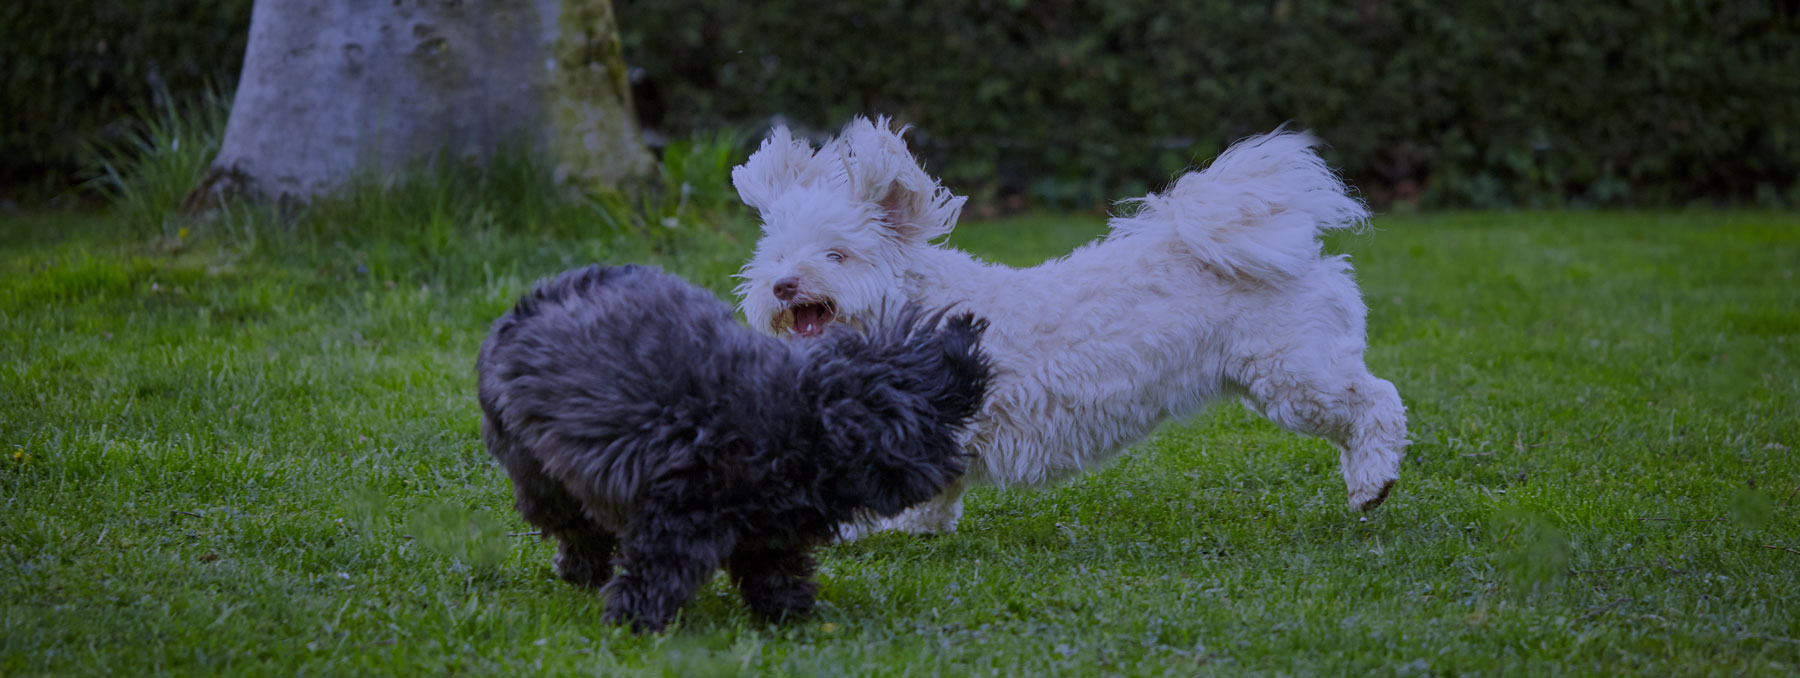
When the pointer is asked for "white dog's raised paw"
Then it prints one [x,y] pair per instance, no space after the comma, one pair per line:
[1368,498]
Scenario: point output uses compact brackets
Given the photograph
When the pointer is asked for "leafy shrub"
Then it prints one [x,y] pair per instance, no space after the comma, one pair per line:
[1077,102]
[77,71]
[1074,103]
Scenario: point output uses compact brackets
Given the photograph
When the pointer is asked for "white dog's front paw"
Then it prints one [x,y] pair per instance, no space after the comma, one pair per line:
[937,516]
[849,532]
[1370,496]
[927,519]
[857,529]
[922,525]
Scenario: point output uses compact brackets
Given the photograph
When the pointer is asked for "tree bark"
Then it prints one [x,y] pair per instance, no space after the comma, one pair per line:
[333,89]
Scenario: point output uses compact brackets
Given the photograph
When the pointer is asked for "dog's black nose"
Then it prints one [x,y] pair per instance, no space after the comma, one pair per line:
[786,288]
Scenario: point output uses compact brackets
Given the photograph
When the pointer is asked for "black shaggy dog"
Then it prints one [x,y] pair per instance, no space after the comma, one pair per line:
[636,416]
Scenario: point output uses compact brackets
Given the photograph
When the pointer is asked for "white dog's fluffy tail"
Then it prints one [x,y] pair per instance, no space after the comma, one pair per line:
[1256,212]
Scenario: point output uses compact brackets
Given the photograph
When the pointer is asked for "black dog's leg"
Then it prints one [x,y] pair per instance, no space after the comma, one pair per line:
[584,556]
[584,550]
[665,559]
[777,584]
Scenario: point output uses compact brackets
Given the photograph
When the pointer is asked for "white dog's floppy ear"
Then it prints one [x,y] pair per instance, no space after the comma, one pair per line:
[876,167]
[782,162]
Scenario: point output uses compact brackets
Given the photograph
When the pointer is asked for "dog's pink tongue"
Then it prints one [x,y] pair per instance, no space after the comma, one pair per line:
[810,319]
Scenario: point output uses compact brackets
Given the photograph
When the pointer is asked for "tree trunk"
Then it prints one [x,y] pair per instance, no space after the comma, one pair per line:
[336,88]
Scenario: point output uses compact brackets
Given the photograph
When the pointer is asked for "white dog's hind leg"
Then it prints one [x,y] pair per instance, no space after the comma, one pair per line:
[1358,412]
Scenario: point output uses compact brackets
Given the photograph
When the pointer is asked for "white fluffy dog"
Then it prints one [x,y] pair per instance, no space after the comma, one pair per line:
[1217,287]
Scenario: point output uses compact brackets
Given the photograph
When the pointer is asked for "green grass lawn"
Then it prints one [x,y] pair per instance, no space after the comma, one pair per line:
[264,459]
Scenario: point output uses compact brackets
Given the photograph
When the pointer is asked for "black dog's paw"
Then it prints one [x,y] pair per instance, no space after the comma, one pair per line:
[583,572]
[640,604]
[782,608]
[776,584]
[617,615]
[778,596]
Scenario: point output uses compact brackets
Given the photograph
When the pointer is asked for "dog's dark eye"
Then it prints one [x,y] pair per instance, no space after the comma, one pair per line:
[835,257]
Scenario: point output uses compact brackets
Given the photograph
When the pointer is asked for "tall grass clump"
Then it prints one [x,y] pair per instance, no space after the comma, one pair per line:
[692,181]
[438,218]
[147,170]
[451,219]
[426,202]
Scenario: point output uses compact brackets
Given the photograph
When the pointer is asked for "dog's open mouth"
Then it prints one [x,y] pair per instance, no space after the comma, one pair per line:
[810,318]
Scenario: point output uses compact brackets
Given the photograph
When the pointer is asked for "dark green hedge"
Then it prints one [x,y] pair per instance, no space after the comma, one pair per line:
[1077,102]
[76,69]
[1072,102]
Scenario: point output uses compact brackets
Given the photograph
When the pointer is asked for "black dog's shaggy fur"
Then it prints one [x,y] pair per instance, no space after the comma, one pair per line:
[635,414]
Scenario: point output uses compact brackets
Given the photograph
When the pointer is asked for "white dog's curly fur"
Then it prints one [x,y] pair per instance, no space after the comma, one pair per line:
[1216,287]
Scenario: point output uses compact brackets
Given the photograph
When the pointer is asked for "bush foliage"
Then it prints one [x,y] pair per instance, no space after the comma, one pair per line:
[1487,103]
[85,72]
[1074,103]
